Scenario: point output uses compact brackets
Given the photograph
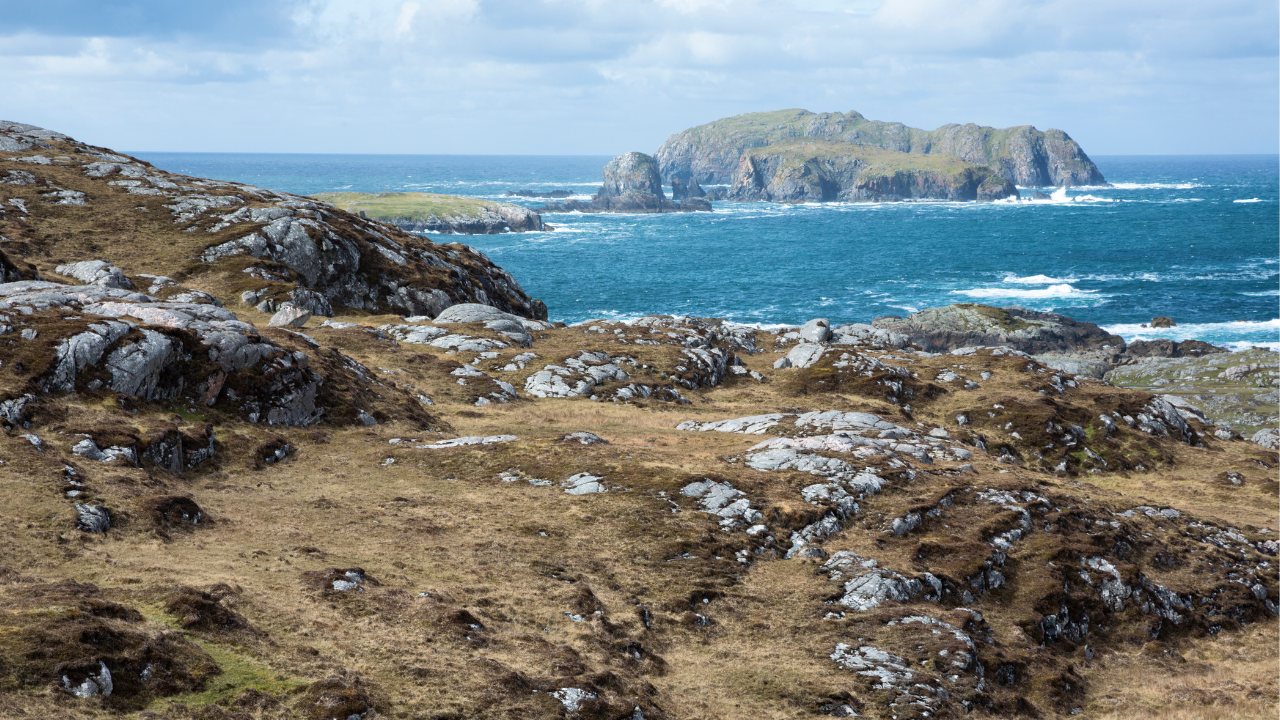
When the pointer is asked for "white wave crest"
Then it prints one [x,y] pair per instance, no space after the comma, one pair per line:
[1036,280]
[1144,186]
[1246,344]
[1059,290]
[1058,197]
[1247,201]
[1245,332]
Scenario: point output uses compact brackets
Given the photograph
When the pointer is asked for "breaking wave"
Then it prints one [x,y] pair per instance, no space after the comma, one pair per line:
[1036,280]
[1058,290]
[1236,333]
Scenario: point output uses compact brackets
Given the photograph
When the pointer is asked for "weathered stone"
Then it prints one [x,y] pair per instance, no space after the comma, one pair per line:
[96,272]
[967,325]
[1268,438]
[92,518]
[467,441]
[584,438]
[817,330]
[584,484]
[750,425]
[804,355]
[290,315]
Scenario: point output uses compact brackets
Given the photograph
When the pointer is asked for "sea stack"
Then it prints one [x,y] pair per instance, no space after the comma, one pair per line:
[632,184]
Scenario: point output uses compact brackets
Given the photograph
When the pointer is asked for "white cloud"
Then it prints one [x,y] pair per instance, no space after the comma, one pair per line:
[610,75]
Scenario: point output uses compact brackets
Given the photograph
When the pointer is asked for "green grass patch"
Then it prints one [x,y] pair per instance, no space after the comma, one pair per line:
[878,161]
[240,672]
[417,206]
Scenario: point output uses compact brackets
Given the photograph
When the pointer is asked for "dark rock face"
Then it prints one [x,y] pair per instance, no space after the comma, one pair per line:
[824,171]
[1171,348]
[684,188]
[1023,155]
[632,184]
[967,325]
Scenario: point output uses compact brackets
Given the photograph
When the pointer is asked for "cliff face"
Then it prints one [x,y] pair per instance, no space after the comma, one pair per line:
[66,201]
[815,171]
[1024,155]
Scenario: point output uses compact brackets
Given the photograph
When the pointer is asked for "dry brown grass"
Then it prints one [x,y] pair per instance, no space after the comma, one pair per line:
[449,544]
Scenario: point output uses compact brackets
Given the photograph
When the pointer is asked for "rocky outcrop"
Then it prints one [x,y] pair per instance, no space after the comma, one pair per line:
[1239,391]
[433,213]
[241,241]
[110,339]
[818,171]
[632,184]
[1023,155]
[968,325]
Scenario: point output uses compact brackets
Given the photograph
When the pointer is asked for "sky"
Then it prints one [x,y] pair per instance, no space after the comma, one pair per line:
[602,77]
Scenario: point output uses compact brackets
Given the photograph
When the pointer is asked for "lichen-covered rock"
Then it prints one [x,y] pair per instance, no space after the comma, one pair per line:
[128,343]
[1268,438]
[289,315]
[96,272]
[237,231]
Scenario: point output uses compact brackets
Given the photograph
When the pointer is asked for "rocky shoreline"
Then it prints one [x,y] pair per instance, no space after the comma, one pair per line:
[265,458]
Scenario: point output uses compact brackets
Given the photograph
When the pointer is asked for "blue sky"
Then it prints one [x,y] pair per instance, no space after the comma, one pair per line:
[605,76]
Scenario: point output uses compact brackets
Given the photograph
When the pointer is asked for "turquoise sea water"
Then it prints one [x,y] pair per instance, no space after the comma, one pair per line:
[1190,237]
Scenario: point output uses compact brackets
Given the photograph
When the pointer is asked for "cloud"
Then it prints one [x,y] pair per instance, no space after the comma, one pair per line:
[609,75]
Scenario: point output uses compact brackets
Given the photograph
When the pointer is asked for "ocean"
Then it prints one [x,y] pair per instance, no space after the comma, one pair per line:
[1191,237]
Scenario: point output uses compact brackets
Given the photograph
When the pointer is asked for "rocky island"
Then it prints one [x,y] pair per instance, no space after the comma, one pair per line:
[1023,155]
[435,213]
[266,458]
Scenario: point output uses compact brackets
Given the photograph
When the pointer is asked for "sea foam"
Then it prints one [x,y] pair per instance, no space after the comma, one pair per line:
[1058,290]
[1036,280]
[1234,333]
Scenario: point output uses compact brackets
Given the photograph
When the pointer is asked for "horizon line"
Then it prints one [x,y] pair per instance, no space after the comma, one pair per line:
[1273,153]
